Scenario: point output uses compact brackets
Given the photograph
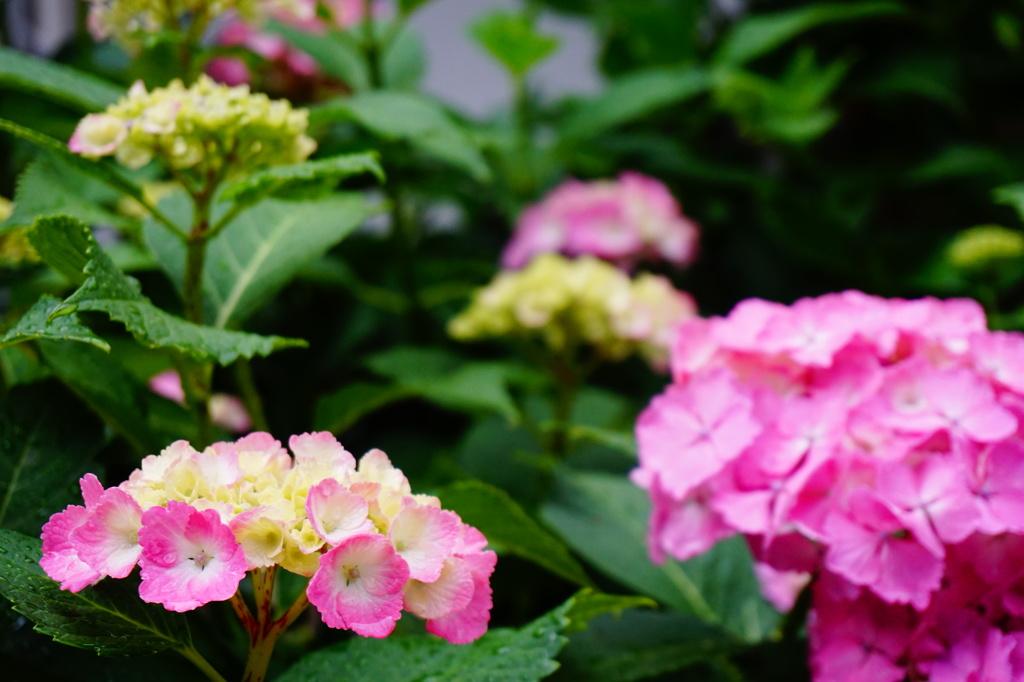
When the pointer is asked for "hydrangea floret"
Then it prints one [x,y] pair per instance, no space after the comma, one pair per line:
[871,446]
[567,304]
[196,523]
[208,129]
[632,219]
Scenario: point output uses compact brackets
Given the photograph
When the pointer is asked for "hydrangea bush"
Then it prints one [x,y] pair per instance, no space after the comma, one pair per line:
[870,446]
[227,221]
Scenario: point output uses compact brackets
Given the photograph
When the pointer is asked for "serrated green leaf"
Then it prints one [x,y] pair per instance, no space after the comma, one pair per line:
[19,71]
[605,517]
[282,181]
[641,644]
[633,96]
[109,618]
[412,118]
[111,392]
[39,323]
[761,33]
[46,440]
[50,185]
[505,523]
[514,41]
[501,655]
[259,252]
[66,242]
[338,411]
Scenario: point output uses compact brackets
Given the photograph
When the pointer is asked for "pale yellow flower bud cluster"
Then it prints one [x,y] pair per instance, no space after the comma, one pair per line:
[209,128]
[127,21]
[569,303]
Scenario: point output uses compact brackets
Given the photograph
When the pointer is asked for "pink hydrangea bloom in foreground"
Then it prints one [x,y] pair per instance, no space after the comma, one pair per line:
[872,447]
[196,522]
[625,221]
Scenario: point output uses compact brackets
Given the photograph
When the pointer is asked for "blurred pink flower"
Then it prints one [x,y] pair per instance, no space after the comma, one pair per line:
[625,221]
[225,410]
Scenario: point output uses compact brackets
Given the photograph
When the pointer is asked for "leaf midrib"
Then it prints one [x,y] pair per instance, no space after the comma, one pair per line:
[262,253]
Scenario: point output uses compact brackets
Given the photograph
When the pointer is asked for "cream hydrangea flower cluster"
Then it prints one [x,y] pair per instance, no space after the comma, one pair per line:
[127,20]
[209,128]
[196,522]
[567,303]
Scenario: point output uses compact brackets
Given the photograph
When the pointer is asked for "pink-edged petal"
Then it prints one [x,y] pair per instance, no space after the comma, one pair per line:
[359,585]
[60,558]
[470,623]
[424,536]
[451,592]
[189,558]
[109,538]
[337,513]
[323,447]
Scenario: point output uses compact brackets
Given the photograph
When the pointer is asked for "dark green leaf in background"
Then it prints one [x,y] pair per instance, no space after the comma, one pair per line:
[19,71]
[504,523]
[418,120]
[46,442]
[604,518]
[760,34]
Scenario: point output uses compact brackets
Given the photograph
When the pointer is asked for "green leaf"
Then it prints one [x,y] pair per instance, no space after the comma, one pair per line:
[1012,196]
[46,440]
[583,611]
[338,411]
[103,384]
[513,40]
[19,71]
[338,54]
[961,161]
[259,252]
[760,34]
[297,178]
[39,323]
[452,383]
[604,518]
[411,118]
[109,618]
[639,645]
[404,60]
[407,7]
[501,655]
[49,185]
[65,243]
[505,524]
[633,96]
[100,170]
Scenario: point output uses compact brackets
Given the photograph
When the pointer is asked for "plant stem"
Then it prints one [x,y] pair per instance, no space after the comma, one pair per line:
[198,661]
[200,374]
[371,47]
[567,386]
[264,631]
[250,396]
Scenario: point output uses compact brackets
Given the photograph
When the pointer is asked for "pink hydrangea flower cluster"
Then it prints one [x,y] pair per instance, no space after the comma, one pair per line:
[873,446]
[287,62]
[196,522]
[632,219]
